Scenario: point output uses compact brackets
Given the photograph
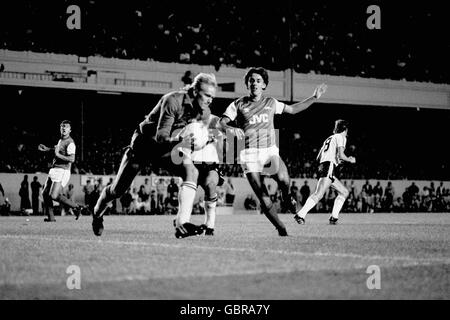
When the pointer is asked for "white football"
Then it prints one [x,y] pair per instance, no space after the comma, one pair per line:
[198,132]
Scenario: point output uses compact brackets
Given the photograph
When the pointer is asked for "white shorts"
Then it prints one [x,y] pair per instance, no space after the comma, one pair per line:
[60,175]
[207,154]
[254,159]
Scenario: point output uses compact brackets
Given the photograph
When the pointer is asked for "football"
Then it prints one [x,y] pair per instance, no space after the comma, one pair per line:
[199,134]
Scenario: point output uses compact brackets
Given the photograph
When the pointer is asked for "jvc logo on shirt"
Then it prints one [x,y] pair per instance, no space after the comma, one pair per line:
[258,118]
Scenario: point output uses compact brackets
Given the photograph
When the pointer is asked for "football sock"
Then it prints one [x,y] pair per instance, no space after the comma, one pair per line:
[309,204]
[338,203]
[186,198]
[49,207]
[50,214]
[285,194]
[210,215]
[46,208]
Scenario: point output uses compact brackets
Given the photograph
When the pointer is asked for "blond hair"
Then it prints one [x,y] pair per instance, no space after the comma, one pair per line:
[204,78]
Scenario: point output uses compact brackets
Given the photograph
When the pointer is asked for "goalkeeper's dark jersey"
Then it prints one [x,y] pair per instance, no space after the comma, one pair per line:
[172,113]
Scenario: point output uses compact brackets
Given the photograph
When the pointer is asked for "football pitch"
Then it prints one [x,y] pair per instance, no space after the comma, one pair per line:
[365,256]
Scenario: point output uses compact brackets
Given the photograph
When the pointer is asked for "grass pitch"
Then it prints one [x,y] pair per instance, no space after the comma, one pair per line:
[138,257]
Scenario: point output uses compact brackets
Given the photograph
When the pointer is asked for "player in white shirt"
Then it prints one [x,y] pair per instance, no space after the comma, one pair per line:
[206,161]
[330,156]
[254,117]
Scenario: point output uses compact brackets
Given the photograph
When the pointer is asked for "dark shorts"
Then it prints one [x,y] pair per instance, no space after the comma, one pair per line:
[204,169]
[143,148]
[327,170]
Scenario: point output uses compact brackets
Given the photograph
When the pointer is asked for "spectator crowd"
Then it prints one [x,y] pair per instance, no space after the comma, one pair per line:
[375,198]
[385,147]
[321,37]
[162,198]
[387,154]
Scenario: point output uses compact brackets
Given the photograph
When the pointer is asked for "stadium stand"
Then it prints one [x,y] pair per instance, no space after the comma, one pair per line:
[389,143]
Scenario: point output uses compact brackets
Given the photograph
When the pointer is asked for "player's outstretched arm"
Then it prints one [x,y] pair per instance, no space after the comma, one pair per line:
[304,104]
[44,148]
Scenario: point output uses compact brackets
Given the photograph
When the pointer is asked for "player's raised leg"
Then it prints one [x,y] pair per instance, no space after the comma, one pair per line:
[269,210]
[128,170]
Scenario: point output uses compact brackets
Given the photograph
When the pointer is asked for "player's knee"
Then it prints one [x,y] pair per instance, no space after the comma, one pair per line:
[191,174]
[54,193]
[210,188]
[344,193]
[317,196]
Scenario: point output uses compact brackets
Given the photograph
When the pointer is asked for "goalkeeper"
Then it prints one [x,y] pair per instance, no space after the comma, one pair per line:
[156,135]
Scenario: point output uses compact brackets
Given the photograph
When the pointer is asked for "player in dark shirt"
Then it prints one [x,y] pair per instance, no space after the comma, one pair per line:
[158,136]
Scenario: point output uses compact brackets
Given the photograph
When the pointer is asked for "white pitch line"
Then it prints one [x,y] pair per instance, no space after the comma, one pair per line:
[408,260]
